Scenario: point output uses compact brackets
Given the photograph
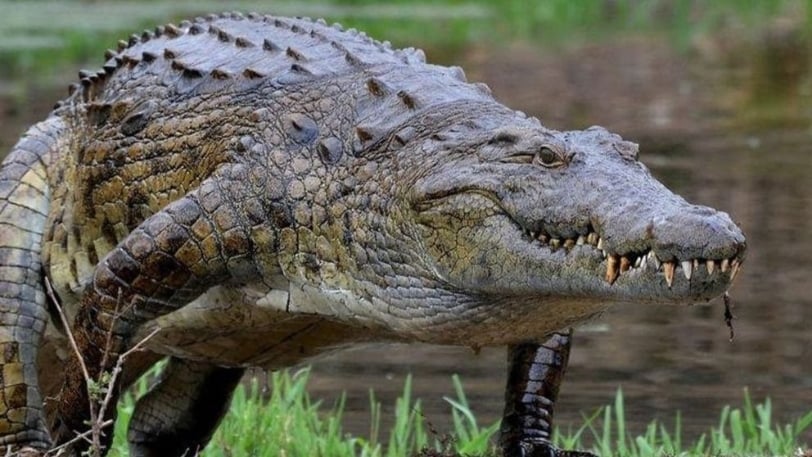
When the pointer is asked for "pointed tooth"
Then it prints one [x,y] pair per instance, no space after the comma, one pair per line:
[625,263]
[604,253]
[668,269]
[544,238]
[652,257]
[600,243]
[592,238]
[612,269]
[569,243]
[687,269]
[711,265]
[725,265]
[638,261]
[735,265]
[696,264]
[555,243]
[534,235]
[580,241]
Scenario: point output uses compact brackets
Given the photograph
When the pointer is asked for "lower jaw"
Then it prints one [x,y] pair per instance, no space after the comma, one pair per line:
[651,287]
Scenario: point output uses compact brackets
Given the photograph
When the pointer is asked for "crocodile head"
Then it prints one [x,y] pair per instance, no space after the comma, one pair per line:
[538,229]
[496,230]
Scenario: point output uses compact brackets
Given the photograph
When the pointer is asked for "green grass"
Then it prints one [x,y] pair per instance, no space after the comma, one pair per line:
[745,431]
[286,422]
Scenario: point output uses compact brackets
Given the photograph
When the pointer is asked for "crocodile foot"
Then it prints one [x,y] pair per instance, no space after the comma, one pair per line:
[544,449]
[26,451]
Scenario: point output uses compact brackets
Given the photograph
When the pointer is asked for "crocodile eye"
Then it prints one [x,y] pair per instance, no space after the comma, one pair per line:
[547,157]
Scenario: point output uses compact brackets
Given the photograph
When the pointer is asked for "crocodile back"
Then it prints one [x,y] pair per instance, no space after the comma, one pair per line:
[172,105]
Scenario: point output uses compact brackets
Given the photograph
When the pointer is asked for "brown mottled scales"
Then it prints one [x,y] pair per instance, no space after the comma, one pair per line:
[262,190]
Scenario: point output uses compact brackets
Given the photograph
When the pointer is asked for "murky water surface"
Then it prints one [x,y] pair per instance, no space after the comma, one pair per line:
[706,132]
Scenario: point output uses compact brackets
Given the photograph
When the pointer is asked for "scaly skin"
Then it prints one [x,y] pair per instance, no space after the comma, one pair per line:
[535,373]
[262,190]
[24,193]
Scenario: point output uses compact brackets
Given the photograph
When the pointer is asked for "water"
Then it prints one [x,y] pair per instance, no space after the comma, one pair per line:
[706,131]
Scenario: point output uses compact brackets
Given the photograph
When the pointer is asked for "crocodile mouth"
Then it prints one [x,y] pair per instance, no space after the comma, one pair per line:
[637,262]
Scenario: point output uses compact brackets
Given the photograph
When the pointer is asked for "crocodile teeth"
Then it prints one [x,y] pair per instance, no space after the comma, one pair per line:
[734,269]
[637,262]
[687,269]
[580,240]
[624,264]
[569,243]
[711,266]
[555,243]
[600,243]
[725,265]
[653,258]
[668,269]
[592,238]
[611,269]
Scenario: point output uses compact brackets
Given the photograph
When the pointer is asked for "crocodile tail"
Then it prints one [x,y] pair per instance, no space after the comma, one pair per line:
[24,203]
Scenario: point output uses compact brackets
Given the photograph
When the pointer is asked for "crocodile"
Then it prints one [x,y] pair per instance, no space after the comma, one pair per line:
[243,191]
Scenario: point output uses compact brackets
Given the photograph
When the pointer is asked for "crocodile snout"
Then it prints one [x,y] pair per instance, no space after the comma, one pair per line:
[698,232]
[695,242]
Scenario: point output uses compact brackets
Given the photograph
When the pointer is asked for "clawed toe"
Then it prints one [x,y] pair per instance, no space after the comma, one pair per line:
[543,449]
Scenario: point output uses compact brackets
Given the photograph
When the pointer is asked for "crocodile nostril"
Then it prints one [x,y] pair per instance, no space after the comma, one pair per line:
[703,211]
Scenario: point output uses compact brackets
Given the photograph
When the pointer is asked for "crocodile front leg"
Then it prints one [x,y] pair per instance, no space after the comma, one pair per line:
[534,376]
[199,241]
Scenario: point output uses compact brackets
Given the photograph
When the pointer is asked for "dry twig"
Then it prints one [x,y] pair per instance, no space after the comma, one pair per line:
[94,435]
[729,317]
